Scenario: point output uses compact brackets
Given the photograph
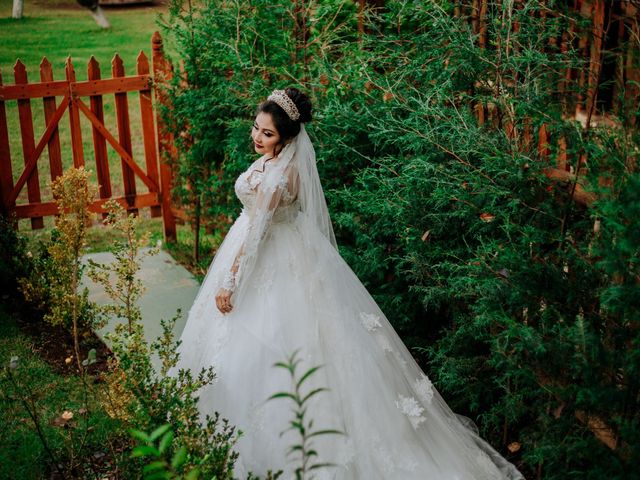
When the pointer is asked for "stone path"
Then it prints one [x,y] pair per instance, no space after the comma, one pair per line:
[168,285]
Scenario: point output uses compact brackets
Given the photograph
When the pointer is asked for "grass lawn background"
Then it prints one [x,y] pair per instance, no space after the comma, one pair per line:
[57,29]
[60,28]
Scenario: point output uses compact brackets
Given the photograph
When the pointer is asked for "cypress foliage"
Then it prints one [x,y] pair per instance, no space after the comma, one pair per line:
[518,292]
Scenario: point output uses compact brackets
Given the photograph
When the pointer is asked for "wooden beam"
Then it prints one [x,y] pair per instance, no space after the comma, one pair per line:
[28,144]
[34,90]
[32,160]
[74,120]
[126,157]
[132,83]
[143,200]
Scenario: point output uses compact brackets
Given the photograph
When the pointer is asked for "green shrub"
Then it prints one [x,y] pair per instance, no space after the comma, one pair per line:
[521,300]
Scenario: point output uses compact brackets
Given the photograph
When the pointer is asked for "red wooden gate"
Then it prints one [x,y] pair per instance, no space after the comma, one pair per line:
[156,174]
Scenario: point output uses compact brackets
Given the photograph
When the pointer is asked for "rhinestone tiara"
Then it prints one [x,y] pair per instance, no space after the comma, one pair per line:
[284,101]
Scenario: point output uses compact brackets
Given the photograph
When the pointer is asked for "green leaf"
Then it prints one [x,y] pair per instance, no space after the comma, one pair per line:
[154,466]
[159,431]
[145,451]
[140,435]
[321,465]
[162,475]
[165,442]
[309,372]
[312,393]
[179,458]
[325,432]
[194,475]
[283,395]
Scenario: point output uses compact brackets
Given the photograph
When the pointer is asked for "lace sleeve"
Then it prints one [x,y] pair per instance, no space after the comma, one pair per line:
[279,185]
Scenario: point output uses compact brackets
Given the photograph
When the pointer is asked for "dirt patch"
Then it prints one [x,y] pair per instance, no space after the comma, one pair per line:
[54,344]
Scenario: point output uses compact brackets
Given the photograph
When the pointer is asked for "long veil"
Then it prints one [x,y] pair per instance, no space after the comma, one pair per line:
[313,204]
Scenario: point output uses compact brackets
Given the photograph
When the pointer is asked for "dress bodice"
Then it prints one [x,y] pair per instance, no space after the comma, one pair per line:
[283,188]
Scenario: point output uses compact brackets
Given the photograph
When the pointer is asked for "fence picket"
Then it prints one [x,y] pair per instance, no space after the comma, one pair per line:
[154,178]
[6,173]
[124,134]
[28,142]
[166,146]
[74,118]
[49,105]
[148,128]
[99,142]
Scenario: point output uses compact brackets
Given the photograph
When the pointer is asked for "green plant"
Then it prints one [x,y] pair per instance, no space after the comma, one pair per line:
[510,272]
[300,423]
[232,55]
[157,448]
[69,437]
[55,287]
[127,250]
[153,397]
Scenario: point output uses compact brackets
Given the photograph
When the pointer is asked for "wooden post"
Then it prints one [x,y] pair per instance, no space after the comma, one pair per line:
[28,142]
[99,142]
[595,63]
[124,136]
[148,129]
[49,104]
[74,118]
[6,174]
[632,70]
[543,142]
[482,27]
[561,159]
[166,147]
[618,84]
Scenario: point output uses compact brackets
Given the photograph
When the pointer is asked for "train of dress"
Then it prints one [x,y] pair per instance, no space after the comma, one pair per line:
[302,295]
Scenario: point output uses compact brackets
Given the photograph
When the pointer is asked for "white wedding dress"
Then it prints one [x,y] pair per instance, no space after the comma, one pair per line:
[293,291]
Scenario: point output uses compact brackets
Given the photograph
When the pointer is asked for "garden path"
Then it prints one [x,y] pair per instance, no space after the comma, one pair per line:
[168,285]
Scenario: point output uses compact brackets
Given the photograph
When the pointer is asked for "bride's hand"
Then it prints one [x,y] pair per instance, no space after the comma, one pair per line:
[223,300]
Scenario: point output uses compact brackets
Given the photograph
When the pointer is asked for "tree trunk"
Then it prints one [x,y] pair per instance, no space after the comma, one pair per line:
[17,8]
[100,18]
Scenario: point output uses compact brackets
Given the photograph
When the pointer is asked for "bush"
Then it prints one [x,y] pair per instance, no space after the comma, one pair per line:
[515,278]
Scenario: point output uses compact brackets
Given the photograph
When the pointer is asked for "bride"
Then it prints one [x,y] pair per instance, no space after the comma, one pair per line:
[278,284]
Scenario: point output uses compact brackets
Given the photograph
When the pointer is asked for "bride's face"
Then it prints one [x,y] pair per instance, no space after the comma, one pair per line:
[264,134]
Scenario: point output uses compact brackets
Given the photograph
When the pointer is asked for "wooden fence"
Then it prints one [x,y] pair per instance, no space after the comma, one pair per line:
[155,174]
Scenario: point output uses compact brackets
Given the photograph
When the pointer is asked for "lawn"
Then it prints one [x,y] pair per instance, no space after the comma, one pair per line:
[58,29]
[45,385]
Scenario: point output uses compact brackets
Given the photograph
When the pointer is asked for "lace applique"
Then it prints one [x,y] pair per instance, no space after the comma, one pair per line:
[385,343]
[412,409]
[393,462]
[257,416]
[220,337]
[283,184]
[383,453]
[370,321]
[424,388]
[347,453]
[229,282]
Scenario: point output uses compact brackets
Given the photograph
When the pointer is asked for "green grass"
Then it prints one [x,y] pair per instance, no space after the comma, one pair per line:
[22,454]
[58,29]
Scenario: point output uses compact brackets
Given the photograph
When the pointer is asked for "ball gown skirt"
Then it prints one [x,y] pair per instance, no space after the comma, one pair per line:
[302,295]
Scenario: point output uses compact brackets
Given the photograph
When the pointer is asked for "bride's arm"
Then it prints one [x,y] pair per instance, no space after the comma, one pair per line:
[267,200]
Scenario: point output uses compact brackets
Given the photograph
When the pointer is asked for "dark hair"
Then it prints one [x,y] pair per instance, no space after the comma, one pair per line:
[287,128]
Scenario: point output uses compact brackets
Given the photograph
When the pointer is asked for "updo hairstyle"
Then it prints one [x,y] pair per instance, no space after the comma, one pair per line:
[287,128]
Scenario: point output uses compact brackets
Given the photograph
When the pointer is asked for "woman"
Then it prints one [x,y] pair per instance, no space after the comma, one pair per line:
[278,284]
